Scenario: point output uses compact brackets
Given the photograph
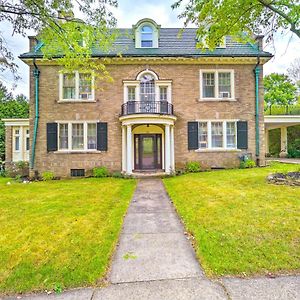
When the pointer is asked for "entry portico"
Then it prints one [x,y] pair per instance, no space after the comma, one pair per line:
[148,143]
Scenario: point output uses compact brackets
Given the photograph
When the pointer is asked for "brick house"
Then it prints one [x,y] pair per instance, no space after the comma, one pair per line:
[169,103]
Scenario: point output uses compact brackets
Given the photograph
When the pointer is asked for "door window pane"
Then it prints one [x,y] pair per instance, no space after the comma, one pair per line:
[231,132]
[77,136]
[63,136]
[17,143]
[208,83]
[203,135]
[217,134]
[224,85]
[85,86]
[131,93]
[92,136]
[27,143]
[69,86]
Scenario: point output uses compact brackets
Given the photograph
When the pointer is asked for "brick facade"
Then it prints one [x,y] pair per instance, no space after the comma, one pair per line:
[109,98]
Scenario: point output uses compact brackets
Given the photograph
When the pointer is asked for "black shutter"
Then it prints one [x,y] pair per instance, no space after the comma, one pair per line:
[242,135]
[102,136]
[193,141]
[51,137]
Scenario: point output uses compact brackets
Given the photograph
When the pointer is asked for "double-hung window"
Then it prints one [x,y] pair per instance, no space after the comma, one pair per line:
[77,136]
[17,139]
[217,135]
[216,84]
[147,36]
[131,93]
[163,93]
[76,86]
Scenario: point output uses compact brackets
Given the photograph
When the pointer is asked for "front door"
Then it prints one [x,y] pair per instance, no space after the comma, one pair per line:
[147,151]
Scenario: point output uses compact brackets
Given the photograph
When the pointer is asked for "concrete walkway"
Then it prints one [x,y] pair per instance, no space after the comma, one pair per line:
[154,260]
[284,160]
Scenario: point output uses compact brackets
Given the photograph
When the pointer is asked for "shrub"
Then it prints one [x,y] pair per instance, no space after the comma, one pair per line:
[117,174]
[48,175]
[100,172]
[249,163]
[3,173]
[193,167]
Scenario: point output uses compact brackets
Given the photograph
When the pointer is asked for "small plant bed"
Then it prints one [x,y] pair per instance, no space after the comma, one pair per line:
[290,178]
[59,234]
[240,224]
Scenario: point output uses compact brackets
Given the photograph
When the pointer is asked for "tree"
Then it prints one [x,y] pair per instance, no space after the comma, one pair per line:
[10,107]
[218,18]
[294,71]
[61,31]
[279,90]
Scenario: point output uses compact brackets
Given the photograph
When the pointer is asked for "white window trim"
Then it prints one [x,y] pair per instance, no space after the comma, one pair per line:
[209,136]
[20,136]
[158,84]
[76,99]
[216,72]
[85,134]
[138,36]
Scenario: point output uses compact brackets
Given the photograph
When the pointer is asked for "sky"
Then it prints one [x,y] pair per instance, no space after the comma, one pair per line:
[286,47]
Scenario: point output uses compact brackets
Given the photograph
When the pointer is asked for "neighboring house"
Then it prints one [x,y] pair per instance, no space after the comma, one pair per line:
[170,103]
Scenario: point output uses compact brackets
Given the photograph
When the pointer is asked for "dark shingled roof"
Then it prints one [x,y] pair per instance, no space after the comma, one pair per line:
[171,44]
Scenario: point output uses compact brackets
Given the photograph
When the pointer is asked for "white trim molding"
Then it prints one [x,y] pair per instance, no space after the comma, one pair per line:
[69,137]
[216,85]
[209,147]
[76,98]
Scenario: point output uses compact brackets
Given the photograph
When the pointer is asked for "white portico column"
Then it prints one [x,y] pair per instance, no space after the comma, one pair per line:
[284,145]
[172,149]
[267,140]
[123,148]
[167,149]
[129,150]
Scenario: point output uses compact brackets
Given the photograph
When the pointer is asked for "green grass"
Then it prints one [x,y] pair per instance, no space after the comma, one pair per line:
[59,233]
[241,224]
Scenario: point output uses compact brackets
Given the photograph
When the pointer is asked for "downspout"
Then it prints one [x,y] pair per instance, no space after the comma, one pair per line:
[36,75]
[257,144]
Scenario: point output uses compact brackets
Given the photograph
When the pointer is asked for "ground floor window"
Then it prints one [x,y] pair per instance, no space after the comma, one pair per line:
[77,136]
[217,134]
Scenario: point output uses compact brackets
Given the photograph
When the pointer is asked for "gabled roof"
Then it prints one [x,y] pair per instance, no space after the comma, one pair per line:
[171,44]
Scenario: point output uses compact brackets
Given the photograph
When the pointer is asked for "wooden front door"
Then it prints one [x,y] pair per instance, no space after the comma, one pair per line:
[147,151]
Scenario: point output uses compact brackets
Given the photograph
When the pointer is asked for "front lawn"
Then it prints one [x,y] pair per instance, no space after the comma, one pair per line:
[59,234]
[241,224]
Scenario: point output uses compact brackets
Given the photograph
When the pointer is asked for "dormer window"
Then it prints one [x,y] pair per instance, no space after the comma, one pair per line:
[147,36]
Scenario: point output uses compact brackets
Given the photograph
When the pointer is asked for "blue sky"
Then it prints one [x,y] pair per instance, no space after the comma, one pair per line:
[128,13]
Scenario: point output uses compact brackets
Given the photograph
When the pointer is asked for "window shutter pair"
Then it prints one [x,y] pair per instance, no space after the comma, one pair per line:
[242,135]
[52,136]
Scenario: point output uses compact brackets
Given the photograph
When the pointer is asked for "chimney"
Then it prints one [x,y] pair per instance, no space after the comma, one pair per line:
[259,41]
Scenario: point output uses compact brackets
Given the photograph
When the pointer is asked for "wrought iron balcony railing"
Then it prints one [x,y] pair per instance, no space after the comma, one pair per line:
[147,107]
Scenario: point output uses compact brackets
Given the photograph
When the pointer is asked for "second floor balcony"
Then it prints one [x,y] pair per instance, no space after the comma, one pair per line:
[147,107]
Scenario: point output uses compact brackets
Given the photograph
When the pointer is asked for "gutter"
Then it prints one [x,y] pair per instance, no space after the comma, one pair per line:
[257,142]
[36,75]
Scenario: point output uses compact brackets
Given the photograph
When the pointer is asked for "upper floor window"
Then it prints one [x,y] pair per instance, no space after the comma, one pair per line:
[147,88]
[131,93]
[217,84]
[76,86]
[147,36]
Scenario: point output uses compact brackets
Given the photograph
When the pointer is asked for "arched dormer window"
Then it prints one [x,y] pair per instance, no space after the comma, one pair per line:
[146,33]
[146,36]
